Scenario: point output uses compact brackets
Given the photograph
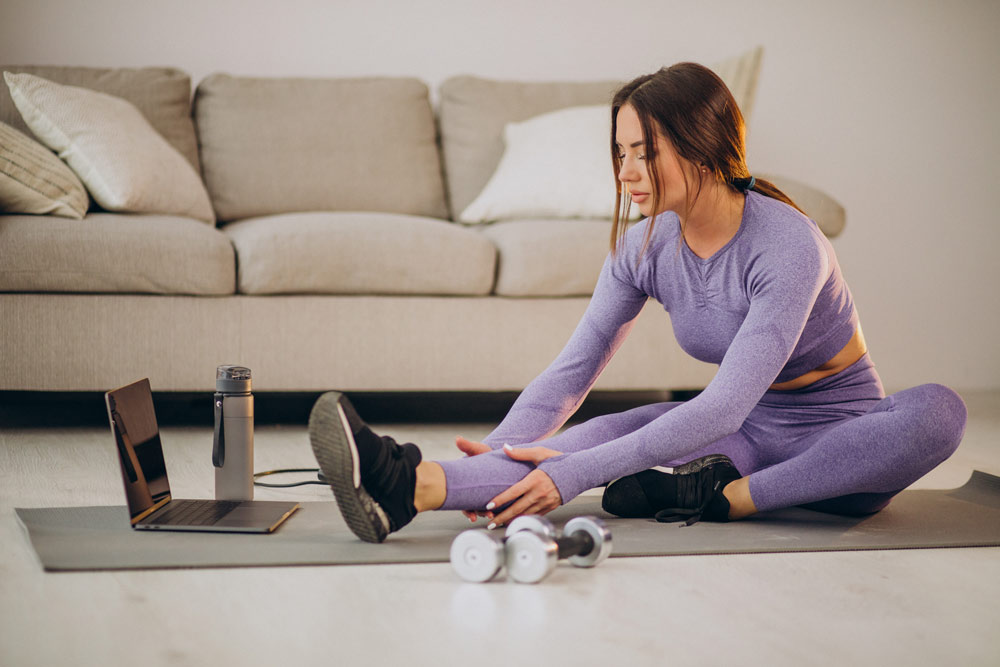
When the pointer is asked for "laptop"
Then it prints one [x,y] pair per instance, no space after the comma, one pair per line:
[147,490]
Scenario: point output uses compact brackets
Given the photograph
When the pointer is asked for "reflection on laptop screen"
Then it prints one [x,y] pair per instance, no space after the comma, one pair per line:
[137,437]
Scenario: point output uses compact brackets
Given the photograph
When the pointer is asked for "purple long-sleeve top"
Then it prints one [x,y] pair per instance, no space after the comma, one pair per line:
[769,306]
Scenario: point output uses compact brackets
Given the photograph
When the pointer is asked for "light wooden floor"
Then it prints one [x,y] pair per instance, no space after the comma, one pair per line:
[920,607]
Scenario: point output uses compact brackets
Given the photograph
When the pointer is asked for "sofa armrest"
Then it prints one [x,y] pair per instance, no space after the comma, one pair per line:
[818,205]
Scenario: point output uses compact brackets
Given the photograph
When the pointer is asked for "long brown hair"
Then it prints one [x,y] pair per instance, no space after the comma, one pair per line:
[689,105]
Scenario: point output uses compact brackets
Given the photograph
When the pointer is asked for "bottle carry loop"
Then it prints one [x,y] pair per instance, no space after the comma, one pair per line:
[219,439]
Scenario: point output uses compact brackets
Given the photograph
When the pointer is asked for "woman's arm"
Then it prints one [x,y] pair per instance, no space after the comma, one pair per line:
[782,289]
[552,397]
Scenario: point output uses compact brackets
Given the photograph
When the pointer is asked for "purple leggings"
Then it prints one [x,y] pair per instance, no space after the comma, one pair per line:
[839,445]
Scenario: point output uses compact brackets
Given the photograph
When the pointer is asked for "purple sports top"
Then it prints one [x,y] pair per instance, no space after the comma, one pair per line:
[769,306]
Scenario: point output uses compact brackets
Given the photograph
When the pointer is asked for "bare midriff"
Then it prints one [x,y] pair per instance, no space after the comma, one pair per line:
[848,355]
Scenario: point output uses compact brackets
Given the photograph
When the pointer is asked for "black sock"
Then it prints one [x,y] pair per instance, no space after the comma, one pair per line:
[389,473]
[718,507]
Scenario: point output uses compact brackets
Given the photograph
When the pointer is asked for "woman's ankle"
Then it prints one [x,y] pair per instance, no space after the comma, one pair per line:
[431,488]
[741,504]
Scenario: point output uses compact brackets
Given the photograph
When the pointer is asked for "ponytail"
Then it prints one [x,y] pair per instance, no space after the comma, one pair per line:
[766,188]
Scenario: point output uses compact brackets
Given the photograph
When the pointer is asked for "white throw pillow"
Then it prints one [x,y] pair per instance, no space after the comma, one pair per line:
[557,165]
[33,180]
[125,164]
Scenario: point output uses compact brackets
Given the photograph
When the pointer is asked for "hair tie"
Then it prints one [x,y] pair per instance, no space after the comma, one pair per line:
[753,182]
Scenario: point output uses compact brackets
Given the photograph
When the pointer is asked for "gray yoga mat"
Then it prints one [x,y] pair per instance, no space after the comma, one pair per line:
[100,538]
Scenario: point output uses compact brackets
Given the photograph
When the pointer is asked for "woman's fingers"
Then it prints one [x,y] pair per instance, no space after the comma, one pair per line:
[520,508]
[470,447]
[535,494]
[509,495]
[523,505]
[530,454]
[473,515]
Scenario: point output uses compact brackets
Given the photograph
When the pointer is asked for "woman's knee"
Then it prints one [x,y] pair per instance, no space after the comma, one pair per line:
[939,412]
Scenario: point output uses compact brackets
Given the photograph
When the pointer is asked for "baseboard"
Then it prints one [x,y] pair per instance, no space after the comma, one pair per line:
[44,408]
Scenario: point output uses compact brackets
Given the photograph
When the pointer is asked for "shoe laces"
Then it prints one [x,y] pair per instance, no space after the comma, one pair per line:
[690,516]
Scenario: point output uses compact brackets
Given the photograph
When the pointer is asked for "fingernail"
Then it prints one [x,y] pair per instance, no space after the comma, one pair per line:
[491,526]
[491,506]
[507,447]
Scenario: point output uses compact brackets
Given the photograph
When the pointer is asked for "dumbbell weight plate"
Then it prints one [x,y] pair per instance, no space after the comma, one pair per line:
[534,523]
[530,557]
[598,532]
[477,555]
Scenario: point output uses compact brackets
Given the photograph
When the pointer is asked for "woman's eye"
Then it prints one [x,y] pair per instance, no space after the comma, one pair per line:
[640,157]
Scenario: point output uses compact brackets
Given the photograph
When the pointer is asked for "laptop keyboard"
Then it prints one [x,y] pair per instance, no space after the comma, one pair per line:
[193,512]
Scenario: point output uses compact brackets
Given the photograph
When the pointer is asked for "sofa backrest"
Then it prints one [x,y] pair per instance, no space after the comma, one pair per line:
[292,144]
[162,94]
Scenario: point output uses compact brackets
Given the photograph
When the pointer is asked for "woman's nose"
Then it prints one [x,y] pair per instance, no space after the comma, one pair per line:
[626,172]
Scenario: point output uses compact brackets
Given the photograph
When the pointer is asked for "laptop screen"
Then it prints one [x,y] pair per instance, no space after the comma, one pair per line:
[137,440]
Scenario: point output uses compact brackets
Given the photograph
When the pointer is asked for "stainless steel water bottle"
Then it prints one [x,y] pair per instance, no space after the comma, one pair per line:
[232,450]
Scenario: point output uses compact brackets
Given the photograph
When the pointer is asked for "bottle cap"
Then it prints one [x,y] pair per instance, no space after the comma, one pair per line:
[232,379]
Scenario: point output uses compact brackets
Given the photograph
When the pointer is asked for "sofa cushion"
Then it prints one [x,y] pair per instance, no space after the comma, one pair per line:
[286,145]
[125,163]
[360,253]
[162,94]
[34,180]
[474,111]
[114,252]
[549,257]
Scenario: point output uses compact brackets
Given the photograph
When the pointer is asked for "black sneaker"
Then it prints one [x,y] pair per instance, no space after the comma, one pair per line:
[372,477]
[693,492]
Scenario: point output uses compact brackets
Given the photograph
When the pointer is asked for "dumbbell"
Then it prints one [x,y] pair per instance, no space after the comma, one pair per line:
[530,548]
[586,542]
[478,555]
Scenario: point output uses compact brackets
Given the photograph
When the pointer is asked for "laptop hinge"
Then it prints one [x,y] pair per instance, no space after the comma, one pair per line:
[160,503]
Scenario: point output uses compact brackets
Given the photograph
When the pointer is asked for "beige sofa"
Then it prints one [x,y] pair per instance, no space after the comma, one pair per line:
[334,260]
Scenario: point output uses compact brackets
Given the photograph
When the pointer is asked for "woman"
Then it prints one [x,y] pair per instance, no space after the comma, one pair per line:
[796,414]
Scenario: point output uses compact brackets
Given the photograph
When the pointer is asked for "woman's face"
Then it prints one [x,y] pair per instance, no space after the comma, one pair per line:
[634,175]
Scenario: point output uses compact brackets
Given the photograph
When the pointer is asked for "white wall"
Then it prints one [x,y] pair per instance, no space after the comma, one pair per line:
[888,106]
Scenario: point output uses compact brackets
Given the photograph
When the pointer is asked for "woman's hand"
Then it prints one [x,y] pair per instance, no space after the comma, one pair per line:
[472,448]
[535,494]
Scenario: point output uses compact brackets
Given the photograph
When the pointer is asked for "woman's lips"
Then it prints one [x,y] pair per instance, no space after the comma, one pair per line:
[639,197]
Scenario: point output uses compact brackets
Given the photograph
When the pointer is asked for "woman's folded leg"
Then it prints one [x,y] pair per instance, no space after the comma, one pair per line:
[856,466]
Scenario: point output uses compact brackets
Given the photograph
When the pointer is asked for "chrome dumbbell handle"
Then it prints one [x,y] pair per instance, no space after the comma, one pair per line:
[580,544]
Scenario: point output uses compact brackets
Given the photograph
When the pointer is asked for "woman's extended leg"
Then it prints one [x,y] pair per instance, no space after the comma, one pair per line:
[473,481]
[856,466]
[380,484]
